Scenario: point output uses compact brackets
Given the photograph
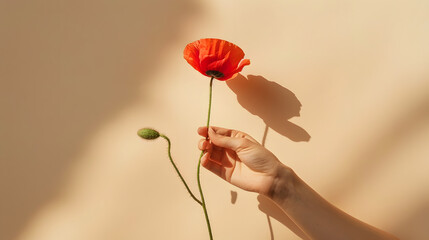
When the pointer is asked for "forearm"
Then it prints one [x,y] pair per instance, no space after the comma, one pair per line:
[314,215]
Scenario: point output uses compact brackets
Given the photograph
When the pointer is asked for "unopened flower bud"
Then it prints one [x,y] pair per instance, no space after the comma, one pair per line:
[148,133]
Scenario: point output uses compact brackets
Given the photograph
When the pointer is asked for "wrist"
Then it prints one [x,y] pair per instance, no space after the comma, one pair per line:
[283,186]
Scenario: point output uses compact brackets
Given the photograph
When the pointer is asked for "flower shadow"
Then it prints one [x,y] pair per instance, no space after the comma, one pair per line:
[270,101]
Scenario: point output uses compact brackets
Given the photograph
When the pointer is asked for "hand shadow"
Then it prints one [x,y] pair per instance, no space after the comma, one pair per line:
[273,103]
[271,209]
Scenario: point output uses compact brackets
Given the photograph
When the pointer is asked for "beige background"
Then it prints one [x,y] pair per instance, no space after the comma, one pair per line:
[342,87]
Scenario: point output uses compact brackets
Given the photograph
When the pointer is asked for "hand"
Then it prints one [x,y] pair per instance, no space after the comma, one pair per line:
[239,159]
[243,162]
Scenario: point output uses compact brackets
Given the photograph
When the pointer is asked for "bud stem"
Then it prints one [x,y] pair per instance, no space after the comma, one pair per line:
[177,170]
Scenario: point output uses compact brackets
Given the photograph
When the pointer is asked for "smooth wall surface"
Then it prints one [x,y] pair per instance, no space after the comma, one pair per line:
[338,90]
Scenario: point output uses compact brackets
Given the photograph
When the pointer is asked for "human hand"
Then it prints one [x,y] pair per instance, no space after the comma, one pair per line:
[243,162]
[239,159]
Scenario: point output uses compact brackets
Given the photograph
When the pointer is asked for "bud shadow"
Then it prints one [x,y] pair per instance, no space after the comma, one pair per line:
[270,101]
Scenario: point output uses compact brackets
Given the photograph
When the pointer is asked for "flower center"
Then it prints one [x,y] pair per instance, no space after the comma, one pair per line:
[215,74]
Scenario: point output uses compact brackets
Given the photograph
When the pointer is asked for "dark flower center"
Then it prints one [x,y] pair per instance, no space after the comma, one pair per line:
[215,74]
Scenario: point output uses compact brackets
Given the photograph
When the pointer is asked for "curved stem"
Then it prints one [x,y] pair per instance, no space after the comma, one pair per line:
[199,165]
[177,170]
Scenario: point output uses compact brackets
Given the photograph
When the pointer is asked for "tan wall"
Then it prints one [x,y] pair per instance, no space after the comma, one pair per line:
[348,110]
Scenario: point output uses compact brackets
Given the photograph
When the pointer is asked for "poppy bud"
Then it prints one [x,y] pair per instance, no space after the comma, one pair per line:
[148,133]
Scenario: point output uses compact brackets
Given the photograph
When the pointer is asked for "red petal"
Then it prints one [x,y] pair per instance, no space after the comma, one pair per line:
[191,55]
[243,62]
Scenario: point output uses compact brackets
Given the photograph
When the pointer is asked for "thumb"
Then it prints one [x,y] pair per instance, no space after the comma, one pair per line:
[225,141]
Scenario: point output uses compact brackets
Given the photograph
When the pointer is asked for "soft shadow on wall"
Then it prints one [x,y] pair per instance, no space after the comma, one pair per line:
[375,154]
[67,68]
[415,224]
[270,101]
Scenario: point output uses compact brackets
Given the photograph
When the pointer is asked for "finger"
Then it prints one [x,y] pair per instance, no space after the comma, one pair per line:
[226,141]
[232,133]
[203,144]
[216,153]
[222,131]
[211,165]
[202,131]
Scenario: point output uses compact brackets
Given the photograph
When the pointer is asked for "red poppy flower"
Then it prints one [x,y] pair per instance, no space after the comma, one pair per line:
[215,58]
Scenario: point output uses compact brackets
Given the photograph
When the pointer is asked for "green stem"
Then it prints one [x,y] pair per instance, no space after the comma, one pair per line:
[210,103]
[177,170]
[199,165]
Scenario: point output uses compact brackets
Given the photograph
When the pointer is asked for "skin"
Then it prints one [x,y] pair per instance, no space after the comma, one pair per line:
[240,160]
